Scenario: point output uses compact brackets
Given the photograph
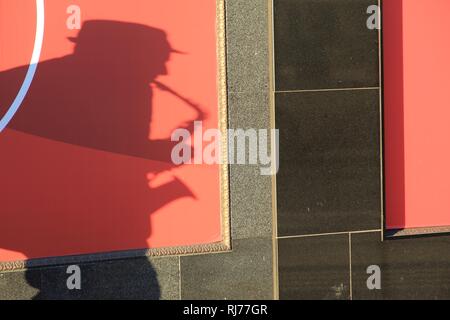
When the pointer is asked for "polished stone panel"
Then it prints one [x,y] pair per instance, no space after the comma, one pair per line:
[411,268]
[314,268]
[324,44]
[329,178]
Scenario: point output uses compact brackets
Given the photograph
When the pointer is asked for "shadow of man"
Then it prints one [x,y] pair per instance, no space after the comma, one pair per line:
[77,157]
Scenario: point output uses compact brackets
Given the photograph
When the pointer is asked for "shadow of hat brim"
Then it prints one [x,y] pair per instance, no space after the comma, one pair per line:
[75,40]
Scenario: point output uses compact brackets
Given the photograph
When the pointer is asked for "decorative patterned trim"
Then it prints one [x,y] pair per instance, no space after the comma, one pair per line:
[111,256]
[223,123]
[225,244]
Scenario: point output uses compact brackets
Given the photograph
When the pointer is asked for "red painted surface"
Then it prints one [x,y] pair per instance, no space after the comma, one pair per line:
[417,112]
[85,164]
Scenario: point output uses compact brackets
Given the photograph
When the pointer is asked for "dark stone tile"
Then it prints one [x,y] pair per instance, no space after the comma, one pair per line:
[415,268]
[246,273]
[122,279]
[329,177]
[324,44]
[314,268]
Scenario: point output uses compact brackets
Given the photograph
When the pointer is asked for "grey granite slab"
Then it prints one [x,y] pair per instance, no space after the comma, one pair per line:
[250,192]
[247,45]
[245,273]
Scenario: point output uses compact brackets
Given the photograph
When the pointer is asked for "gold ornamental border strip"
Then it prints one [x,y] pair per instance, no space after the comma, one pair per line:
[225,244]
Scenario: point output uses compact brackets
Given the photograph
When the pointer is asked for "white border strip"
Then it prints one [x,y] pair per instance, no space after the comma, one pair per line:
[39,39]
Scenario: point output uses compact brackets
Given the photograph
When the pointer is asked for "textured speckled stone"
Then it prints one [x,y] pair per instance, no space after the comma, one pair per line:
[251,201]
[14,285]
[245,273]
[249,110]
[247,45]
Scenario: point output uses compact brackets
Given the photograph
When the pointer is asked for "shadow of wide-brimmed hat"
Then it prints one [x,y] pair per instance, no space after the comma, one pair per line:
[107,34]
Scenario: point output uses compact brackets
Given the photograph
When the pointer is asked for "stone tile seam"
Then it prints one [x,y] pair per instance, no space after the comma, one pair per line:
[329,234]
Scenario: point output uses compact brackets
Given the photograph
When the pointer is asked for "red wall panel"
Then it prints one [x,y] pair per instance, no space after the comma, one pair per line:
[416,46]
[85,163]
